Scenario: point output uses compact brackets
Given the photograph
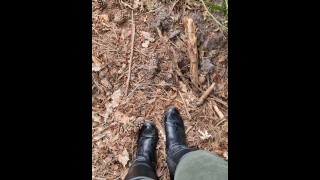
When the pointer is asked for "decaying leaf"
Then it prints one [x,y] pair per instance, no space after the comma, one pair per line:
[99,136]
[154,82]
[105,17]
[145,44]
[183,87]
[137,4]
[120,117]
[115,100]
[147,36]
[96,61]
[95,67]
[205,134]
[96,117]
[114,167]
[123,158]
[163,83]
[151,100]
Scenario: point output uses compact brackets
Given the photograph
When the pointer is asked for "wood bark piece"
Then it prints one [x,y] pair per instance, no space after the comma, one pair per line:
[216,108]
[205,95]
[190,28]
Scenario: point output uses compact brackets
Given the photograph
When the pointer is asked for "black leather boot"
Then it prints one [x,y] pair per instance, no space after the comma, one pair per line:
[145,162]
[176,145]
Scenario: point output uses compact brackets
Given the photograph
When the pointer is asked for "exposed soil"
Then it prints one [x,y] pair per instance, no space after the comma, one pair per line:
[160,77]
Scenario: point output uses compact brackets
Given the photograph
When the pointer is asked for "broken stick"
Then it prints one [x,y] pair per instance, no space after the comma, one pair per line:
[131,54]
[216,108]
[205,95]
[192,50]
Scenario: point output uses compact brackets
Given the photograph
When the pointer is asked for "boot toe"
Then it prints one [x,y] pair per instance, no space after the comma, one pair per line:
[171,111]
[148,130]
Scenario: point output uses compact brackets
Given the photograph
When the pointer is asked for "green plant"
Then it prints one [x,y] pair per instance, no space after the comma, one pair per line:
[223,7]
[214,7]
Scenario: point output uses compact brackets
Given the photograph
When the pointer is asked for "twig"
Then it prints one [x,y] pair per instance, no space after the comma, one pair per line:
[135,49]
[94,78]
[212,15]
[171,8]
[170,100]
[160,35]
[219,101]
[122,75]
[126,4]
[192,50]
[131,54]
[215,107]
[173,44]
[138,85]
[159,84]
[100,178]
[189,128]
[114,31]
[96,60]
[178,101]
[95,30]
[205,95]
[220,122]
[148,114]
[185,105]
[100,44]
[176,67]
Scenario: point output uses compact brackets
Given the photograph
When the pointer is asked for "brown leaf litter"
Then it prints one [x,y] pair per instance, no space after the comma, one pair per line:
[160,77]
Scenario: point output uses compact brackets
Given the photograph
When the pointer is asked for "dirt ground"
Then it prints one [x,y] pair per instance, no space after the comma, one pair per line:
[160,77]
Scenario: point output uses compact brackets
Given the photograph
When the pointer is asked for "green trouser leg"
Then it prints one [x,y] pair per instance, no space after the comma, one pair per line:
[201,165]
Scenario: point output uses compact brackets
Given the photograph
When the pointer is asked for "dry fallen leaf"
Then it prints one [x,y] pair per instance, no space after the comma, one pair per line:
[205,134]
[96,61]
[114,167]
[145,44]
[162,83]
[105,17]
[123,158]
[95,67]
[96,117]
[183,87]
[151,100]
[99,136]
[125,34]
[153,85]
[137,3]
[120,117]
[116,96]
[147,36]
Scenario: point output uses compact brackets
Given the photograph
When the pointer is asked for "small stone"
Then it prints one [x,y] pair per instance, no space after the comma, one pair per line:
[202,79]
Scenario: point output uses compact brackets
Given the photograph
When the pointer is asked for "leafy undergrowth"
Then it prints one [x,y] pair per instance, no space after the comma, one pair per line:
[160,77]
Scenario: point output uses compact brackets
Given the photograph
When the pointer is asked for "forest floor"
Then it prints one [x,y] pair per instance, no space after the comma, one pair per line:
[161,74]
